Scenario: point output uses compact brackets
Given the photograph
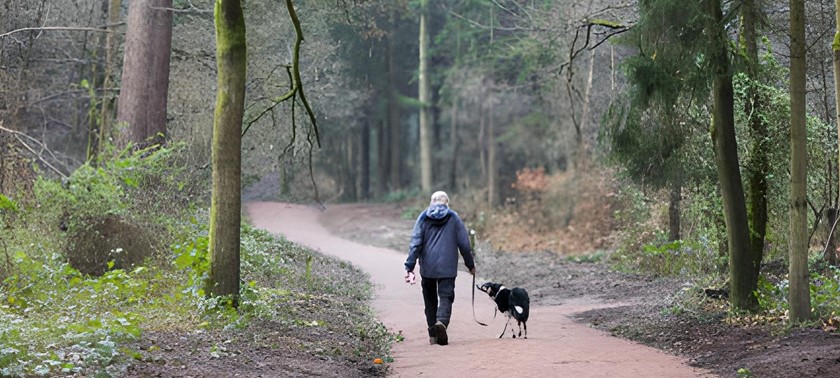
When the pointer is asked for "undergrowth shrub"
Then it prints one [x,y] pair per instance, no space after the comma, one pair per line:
[773,291]
[58,320]
[644,246]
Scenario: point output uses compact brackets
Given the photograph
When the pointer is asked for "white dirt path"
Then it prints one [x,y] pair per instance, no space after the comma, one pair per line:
[556,345]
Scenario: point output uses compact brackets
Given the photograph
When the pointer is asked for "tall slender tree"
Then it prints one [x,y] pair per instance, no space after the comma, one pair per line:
[742,276]
[799,294]
[145,77]
[759,162]
[834,214]
[227,146]
[425,102]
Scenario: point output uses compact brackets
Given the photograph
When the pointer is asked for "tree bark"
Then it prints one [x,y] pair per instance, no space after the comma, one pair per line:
[799,295]
[674,212]
[145,78]
[364,151]
[831,246]
[835,46]
[382,158]
[106,108]
[754,106]
[742,279]
[453,138]
[453,129]
[395,135]
[492,158]
[226,150]
[425,119]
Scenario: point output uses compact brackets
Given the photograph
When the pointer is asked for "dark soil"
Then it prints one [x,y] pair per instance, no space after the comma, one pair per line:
[654,311]
[263,349]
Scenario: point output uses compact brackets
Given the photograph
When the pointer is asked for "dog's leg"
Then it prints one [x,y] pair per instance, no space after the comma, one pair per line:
[512,332]
[525,324]
[505,330]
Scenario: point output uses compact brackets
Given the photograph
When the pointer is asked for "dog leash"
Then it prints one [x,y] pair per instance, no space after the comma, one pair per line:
[473,304]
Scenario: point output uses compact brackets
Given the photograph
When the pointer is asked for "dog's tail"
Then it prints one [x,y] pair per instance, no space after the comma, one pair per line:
[520,304]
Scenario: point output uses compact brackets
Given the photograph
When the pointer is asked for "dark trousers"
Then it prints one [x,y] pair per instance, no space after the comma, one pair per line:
[438,295]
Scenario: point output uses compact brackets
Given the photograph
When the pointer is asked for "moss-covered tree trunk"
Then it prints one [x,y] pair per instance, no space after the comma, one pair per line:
[226,154]
[742,278]
[799,295]
[759,163]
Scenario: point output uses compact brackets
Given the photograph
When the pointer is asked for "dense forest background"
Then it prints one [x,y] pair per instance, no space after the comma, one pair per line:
[528,102]
[578,127]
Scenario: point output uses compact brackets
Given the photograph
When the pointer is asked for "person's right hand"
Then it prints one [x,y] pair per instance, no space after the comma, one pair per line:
[472,271]
[410,278]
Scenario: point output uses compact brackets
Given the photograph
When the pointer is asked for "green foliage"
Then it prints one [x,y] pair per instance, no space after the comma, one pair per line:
[648,145]
[671,56]
[773,294]
[594,257]
[55,320]
[679,257]
[193,258]
[644,246]
[401,195]
[6,204]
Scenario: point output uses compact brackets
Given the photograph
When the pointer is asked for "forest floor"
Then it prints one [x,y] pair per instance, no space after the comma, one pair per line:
[629,306]
[646,310]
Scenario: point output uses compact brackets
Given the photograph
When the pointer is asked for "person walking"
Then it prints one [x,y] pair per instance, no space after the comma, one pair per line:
[437,237]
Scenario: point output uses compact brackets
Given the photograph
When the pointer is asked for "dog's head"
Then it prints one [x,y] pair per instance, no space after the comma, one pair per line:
[490,288]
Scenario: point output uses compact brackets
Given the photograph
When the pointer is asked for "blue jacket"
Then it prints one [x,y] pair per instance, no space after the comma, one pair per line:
[437,237]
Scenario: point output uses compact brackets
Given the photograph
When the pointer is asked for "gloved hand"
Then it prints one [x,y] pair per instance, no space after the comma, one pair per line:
[410,278]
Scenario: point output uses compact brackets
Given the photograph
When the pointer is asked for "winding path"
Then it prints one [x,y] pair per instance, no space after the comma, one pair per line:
[556,347]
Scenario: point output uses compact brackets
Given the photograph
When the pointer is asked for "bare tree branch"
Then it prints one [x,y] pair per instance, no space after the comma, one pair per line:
[18,136]
[47,28]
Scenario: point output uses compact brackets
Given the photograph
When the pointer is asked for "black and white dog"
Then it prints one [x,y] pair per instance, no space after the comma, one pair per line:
[512,302]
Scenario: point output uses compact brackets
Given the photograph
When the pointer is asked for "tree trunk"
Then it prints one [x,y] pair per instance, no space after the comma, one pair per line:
[382,159]
[482,140]
[831,247]
[453,130]
[351,170]
[800,298]
[674,212]
[742,279]
[836,49]
[106,109]
[227,147]
[423,84]
[754,106]
[145,78]
[394,121]
[492,158]
[453,138]
[364,151]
